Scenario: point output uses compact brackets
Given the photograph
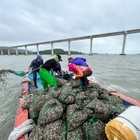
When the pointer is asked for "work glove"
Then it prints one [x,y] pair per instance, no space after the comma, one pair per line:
[74,77]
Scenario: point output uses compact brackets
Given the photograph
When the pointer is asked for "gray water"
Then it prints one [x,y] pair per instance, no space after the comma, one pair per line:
[116,72]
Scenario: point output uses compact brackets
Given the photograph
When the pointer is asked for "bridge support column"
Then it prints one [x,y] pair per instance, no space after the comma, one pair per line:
[37,47]
[52,49]
[16,50]
[91,40]
[8,51]
[124,41]
[1,52]
[26,50]
[69,48]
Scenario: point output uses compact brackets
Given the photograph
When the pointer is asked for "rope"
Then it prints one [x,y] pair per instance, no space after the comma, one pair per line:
[92,120]
[64,130]
[68,124]
[116,109]
[22,129]
[76,135]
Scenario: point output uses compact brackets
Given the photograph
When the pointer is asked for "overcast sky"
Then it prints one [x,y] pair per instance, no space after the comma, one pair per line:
[32,21]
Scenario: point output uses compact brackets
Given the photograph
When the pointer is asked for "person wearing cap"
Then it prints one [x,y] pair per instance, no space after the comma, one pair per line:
[46,77]
[34,67]
[81,72]
[80,61]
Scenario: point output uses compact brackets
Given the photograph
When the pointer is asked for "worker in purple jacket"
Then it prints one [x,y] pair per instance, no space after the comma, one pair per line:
[80,61]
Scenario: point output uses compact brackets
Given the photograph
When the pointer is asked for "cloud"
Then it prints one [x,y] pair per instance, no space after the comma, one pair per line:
[32,21]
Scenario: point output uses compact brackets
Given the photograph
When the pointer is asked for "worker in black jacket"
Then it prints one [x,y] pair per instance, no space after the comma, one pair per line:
[46,77]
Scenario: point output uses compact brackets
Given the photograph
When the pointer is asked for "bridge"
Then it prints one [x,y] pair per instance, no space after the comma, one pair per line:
[69,40]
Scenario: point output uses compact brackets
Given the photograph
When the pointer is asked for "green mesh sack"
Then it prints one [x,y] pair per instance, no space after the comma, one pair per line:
[91,94]
[76,134]
[81,99]
[67,96]
[75,117]
[75,82]
[111,99]
[37,104]
[94,130]
[60,82]
[51,111]
[101,111]
[37,133]
[28,101]
[55,130]
[54,92]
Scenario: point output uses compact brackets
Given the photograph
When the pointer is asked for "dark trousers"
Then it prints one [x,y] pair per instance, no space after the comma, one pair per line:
[35,77]
[84,79]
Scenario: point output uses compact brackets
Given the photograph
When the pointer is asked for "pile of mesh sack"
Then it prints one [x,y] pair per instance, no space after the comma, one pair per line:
[69,113]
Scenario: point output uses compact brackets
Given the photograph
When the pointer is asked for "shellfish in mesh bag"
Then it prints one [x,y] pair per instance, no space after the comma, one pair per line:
[118,109]
[75,134]
[91,94]
[83,102]
[80,95]
[67,96]
[28,101]
[66,89]
[52,110]
[81,99]
[37,104]
[37,133]
[111,99]
[76,90]
[105,91]
[95,86]
[75,117]
[54,92]
[55,131]
[101,111]
[33,91]
[94,130]
[60,81]
[75,82]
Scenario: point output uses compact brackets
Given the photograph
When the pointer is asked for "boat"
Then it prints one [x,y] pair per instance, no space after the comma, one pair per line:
[22,114]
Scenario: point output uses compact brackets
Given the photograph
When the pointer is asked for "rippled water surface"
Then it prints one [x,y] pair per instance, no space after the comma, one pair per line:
[116,72]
